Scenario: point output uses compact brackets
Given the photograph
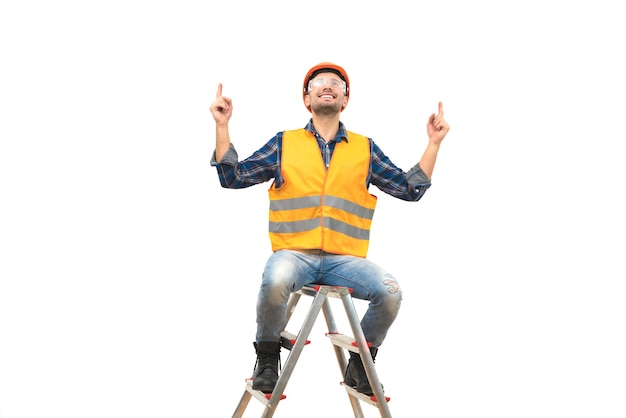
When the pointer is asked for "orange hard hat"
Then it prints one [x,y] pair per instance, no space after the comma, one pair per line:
[325,67]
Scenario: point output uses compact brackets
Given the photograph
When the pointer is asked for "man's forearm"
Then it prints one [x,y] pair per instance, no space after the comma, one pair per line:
[429,158]
[222,141]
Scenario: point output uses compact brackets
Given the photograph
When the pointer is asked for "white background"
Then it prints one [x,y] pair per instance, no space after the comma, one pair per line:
[129,276]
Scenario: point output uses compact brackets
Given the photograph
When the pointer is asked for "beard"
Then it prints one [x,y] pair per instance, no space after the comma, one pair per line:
[326,109]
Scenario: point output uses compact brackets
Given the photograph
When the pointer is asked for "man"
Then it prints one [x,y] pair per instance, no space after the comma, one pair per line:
[321,212]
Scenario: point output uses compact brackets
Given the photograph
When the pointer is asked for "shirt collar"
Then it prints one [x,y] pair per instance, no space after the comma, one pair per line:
[342,134]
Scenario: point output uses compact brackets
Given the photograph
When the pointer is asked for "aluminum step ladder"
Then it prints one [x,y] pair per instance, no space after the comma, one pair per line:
[340,342]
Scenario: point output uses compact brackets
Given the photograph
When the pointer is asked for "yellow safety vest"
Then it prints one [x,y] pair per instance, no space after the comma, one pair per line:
[318,208]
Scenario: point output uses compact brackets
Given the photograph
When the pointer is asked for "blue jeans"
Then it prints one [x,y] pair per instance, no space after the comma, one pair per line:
[287,271]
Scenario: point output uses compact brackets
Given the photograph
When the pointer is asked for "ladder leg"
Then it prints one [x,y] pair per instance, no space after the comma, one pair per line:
[294,354]
[291,304]
[332,328]
[243,404]
[366,356]
[341,358]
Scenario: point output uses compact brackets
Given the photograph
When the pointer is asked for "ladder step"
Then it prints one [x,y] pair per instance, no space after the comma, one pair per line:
[344,341]
[288,340]
[331,291]
[261,396]
[363,397]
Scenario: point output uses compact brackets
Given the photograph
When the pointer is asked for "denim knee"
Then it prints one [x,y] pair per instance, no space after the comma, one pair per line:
[391,297]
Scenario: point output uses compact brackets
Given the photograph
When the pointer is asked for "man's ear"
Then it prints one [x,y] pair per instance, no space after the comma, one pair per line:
[307,100]
[345,102]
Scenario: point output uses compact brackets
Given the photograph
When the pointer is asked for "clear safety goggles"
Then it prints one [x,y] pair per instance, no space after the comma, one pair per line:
[318,82]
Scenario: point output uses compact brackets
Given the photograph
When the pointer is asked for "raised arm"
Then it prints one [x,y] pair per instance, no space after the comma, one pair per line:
[437,128]
[222,110]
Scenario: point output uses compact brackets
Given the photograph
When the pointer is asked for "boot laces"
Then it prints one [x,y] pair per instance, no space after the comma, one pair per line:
[268,361]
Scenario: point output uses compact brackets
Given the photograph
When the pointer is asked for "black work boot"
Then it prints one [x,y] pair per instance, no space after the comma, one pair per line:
[266,368]
[356,377]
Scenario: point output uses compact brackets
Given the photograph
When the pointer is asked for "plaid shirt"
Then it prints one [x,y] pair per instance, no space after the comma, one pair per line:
[264,165]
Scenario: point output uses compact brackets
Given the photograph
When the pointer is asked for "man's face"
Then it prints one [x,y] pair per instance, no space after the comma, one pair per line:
[326,94]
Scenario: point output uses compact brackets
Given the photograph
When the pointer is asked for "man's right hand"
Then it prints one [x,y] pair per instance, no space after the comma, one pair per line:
[221,108]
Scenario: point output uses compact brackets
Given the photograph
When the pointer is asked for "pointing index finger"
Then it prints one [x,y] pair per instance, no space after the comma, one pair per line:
[219,91]
[441,108]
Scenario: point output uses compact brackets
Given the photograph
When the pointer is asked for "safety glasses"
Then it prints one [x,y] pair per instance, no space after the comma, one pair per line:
[318,82]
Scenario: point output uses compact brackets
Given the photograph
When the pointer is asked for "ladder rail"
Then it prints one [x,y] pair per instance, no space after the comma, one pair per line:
[366,356]
[294,355]
[243,404]
[341,358]
[291,304]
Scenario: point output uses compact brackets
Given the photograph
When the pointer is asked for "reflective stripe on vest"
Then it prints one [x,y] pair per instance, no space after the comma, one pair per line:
[316,208]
